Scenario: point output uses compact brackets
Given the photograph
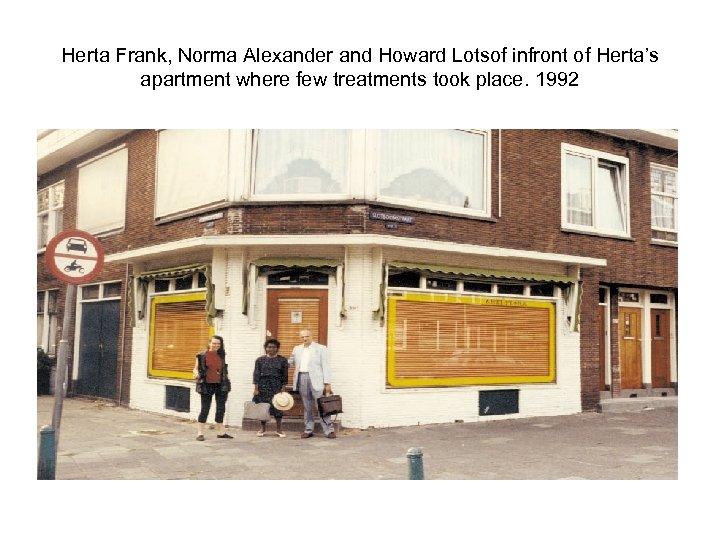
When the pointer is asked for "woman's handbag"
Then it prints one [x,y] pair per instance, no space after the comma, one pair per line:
[257,411]
[331,404]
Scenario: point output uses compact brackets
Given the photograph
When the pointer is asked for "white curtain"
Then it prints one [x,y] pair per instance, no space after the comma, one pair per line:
[438,166]
[302,161]
[578,173]
[610,187]
[192,169]
[102,188]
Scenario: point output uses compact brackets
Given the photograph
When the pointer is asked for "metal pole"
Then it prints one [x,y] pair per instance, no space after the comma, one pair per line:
[46,454]
[415,464]
[62,362]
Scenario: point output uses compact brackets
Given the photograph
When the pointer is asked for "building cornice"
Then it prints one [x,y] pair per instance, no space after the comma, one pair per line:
[369,240]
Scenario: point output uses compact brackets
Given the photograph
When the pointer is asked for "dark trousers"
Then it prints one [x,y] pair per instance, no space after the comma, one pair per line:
[206,401]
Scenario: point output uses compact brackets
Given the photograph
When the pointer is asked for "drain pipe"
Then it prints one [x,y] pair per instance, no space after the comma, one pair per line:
[499,173]
[122,333]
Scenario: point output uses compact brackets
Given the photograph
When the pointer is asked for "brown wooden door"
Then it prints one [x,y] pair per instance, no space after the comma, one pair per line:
[629,333]
[601,346]
[292,310]
[660,351]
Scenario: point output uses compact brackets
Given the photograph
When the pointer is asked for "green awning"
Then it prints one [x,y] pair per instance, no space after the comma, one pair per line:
[265,264]
[281,263]
[144,278]
[480,273]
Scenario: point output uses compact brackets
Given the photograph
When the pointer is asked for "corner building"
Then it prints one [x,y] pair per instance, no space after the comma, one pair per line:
[455,275]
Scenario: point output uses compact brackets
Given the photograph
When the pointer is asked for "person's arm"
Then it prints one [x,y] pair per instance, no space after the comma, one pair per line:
[285,365]
[291,359]
[196,369]
[256,377]
[325,362]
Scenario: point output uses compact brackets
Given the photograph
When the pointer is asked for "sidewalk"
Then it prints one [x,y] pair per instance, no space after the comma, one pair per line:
[99,440]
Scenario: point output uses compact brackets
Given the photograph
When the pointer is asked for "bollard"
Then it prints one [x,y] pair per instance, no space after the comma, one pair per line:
[46,454]
[415,464]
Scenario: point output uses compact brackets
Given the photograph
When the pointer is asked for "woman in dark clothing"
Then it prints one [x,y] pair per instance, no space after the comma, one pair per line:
[210,372]
[269,378]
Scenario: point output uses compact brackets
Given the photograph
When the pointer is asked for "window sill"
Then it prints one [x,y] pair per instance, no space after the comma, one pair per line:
[666,243]
[599,234]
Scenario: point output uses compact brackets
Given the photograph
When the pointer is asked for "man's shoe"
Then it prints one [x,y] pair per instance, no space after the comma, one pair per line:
[331,435]
[306,435]
[199,438]
[225,436]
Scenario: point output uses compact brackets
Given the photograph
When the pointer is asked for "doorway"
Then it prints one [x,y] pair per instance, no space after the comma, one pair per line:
[630,348]
[97,368]
[660,348]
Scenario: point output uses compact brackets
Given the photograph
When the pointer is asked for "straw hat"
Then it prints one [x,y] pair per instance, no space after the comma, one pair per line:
[283,401]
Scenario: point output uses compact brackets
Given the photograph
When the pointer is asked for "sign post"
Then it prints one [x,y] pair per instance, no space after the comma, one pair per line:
[74,257]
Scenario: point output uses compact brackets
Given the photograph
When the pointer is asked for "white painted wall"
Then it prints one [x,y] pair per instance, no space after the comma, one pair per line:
[357,349]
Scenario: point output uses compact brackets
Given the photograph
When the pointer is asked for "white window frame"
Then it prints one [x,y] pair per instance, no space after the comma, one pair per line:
[595,156]
[373,178]
[666,195]
[54,213]
[48,334]
[354,168]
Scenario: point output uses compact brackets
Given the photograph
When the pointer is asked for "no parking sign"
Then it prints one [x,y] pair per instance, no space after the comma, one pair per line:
[74,256]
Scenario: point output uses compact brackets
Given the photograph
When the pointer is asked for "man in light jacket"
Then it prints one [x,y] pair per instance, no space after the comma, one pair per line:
[311,378]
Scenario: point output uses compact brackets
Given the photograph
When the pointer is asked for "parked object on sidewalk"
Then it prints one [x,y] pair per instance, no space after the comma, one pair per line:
[44,368]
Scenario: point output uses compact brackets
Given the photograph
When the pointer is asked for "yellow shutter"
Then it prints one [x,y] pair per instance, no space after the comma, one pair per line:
[446,340]
[179,330]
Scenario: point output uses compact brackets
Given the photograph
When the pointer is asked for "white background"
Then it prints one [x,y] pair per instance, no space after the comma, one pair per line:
[679,92]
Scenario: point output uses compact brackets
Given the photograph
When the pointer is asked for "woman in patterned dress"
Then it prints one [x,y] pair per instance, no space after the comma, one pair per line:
[269,378]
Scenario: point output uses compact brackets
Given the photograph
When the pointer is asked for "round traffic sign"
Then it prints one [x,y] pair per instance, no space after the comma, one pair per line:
[74,256]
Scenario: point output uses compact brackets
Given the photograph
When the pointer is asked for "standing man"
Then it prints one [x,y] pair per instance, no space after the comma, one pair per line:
[312,377]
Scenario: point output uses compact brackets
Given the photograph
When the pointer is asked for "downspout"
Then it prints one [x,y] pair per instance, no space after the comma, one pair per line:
[122,336]
[499,172]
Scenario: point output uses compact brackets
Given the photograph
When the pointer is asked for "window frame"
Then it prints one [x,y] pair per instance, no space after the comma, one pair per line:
[398,341]
[101,229]
[54,213]
[373,177]
[664,194]
[353,172]
[198,297]
[596,157]
[48,336]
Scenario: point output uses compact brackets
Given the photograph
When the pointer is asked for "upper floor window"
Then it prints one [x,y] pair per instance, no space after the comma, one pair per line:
[102,188]
[50,202]
[192,169]
[301,162]
[595,191]
[443,169]
[663,186]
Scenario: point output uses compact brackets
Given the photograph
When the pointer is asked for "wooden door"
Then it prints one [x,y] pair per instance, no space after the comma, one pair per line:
[292,310]
[629,333]
[601,346]
[660,348]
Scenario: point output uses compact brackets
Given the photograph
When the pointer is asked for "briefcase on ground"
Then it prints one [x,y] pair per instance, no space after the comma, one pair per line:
[329,405]
[256,411]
